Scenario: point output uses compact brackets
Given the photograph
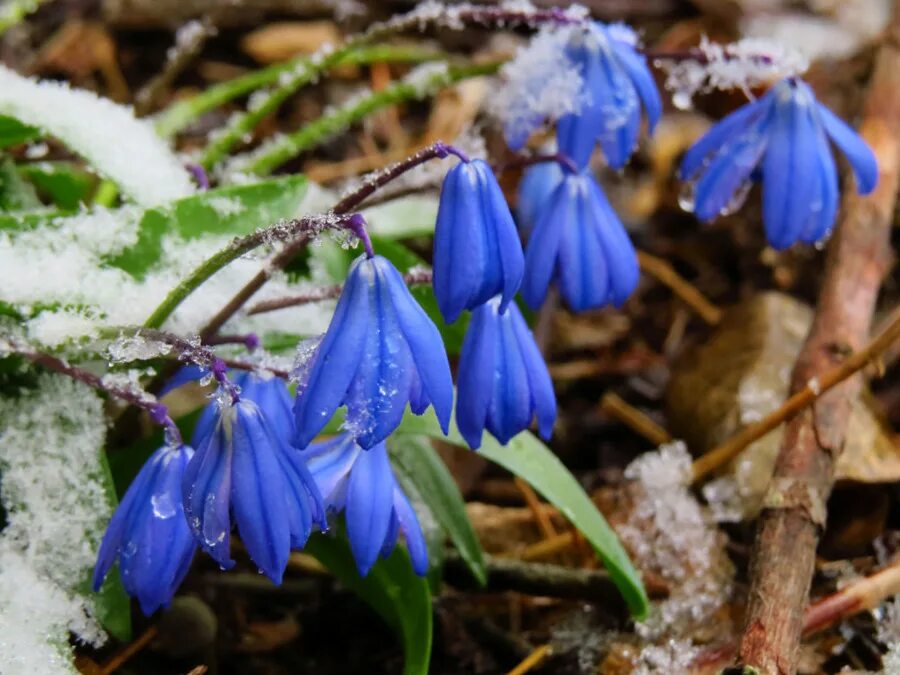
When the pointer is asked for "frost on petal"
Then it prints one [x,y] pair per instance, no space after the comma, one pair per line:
[539,84]
[120,147]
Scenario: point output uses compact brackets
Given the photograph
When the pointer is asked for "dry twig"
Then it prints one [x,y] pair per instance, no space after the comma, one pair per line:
[794,510]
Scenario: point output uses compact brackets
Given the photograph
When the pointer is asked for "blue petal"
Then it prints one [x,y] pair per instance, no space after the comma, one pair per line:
[857,151]
[258,492]
[544,244]
[369,505]
[475,375]
[827,193]
[510,409]
[505,239]
[185,374]
[576,134]
[621,114]
[730,169]
[272,397]
[583,268]
[415,540]
[458,261]
[790,173]
[379,393]
[206,489]
[330,463]
[618,251]
[304,501]
[205,425]
[543,399]
[636,66]
[722,134]
[537,184]
[336,358]
[425,344]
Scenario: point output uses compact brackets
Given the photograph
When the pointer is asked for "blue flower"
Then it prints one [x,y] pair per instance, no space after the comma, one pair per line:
[245,468]
[785,133]
[477,252]
[361,483]
[537,184]
[380,352]
[618,81]
[579,240]
[502,381]
[149,533]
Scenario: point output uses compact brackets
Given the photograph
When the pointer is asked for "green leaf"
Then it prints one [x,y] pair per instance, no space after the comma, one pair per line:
[415,457]
[234,210]
[64,183]
[392,589]
[528,458]
[15,193]
[13,132]
[412,216]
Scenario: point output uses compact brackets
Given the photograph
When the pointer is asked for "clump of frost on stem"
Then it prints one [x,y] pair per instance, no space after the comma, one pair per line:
[120,147]
[540,83]
[745,64]
[889,634]
[56,503]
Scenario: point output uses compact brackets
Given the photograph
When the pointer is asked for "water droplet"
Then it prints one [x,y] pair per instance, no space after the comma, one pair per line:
[687,196]
[163,506]
[737,199]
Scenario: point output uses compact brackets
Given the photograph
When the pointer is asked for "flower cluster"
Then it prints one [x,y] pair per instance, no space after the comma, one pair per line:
[255,464]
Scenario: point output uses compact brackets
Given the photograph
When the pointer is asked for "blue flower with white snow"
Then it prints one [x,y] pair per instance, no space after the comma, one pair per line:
[381,351]
[579,241]
[503,381]
[361,483]
[477,253]
[148,533]
[245,469]
[784,136]
[617,82]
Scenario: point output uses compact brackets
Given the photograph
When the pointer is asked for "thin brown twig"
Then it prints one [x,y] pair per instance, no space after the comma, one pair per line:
[634,419]
[794,512]
[412,278]
[533,660]
[537,509]
[813,389]
[119,659]
[664,273]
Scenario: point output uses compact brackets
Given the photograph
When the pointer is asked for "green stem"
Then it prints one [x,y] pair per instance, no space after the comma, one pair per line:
[270,156]
[178,116]
[13,11]
[289,230]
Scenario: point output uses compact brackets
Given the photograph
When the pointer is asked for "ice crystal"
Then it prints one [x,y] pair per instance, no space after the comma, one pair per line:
[539,84]
[56,506]
[136,348]
[120,147]
[669,533]
[745,64]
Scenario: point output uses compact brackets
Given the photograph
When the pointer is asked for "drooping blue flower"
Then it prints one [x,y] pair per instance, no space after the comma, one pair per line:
[380,352]
[149,534]
[246,469]
[502,381]
[477,253]
[579,241]
[537,184]
[362,484]
[617,81]
[784,133]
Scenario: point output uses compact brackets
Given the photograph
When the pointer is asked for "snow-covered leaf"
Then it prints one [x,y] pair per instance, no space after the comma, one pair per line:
[63,183]
[13,132]
[119,146]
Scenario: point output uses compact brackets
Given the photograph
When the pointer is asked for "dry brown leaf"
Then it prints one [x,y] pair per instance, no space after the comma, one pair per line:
[285,39]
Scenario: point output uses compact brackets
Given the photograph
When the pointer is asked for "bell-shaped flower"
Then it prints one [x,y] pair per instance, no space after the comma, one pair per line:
[149,534]
[477,252]
[537,184]
[579,241]
[617,82]
[362,484]
[245,468]
[380,352]
[502,381]
[784,138]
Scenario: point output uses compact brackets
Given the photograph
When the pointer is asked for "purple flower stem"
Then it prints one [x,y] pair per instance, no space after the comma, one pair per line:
[133,395]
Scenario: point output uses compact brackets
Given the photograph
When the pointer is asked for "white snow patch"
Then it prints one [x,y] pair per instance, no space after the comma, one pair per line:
[118,145]
[52,489]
